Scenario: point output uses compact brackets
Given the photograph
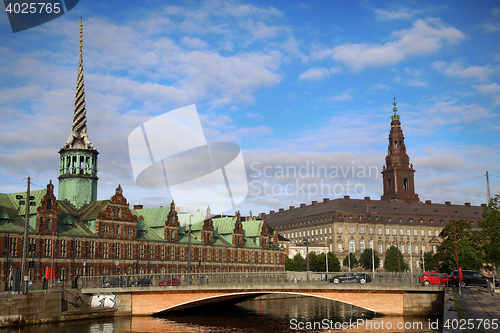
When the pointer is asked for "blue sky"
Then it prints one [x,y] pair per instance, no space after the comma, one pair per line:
[294,84]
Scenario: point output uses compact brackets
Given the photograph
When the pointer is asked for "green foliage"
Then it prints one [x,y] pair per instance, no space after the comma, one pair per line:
[289,264]
[491,231]
[365,260]
[353,260]
[392,263]
[470,254]
[314,263]
[333,263]
[429,262]
[299,262]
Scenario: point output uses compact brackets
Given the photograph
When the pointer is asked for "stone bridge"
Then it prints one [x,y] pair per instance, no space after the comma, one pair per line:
[394,300]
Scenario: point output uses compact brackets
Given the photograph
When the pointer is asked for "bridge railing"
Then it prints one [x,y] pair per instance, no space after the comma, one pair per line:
[240,278]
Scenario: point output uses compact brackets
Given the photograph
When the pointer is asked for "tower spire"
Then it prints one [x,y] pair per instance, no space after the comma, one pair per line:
[398,173]
[78,157]
[79,138]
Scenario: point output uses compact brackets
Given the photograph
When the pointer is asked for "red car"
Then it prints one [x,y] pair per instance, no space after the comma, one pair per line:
[433,278]
[170,282]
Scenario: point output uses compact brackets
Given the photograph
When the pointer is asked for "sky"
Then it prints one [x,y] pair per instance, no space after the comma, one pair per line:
[305,89]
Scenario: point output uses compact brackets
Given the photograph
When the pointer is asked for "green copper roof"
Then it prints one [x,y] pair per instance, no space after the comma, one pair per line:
[38,194]
[252,228]
[224,225]
[184,219]
[154,217]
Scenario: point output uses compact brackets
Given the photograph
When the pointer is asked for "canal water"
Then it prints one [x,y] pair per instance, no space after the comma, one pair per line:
[264,314]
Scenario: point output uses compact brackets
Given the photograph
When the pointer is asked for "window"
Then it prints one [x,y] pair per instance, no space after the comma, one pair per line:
[394,232]
[329,230]
[401,232]
[421,220]
[389,219]
[434,249]
[408,232]
[379,231]
[361,230]
[371,231]
[387,246]
[415,232]
[78,249]
[416,249]
[370,244]
[339,230]
[350,216]
[422,232]
[47,245]
[429,233]
[423,248]
[105,253]
[339,247]
[437,233]
[402,248]
[380,248]
[352,247]
[387,231]
[351,230]
[361,246]
[63,248]
[411,220]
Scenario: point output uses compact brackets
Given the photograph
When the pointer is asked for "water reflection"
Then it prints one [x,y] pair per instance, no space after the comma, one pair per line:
[264,314]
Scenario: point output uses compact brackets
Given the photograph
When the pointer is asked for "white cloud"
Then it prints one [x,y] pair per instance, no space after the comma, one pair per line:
[491,27]
[291,46]
[488,88]
[424,38]
[416,83]
[343,97]
[393,15]
[253,115]
[194,43]
[457,69]
[314,74]
[380,86]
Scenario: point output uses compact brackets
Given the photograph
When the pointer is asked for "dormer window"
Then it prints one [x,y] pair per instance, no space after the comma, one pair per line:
[49,204]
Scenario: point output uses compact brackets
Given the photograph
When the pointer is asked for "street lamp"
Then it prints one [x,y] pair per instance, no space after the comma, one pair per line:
[27,203]
[189,251]
[306,243]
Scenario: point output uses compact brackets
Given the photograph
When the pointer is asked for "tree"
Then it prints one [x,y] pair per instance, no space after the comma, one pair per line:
[429,262]
[289,264]
[300,263]
[491,232]
[333,262]
[366,261]
[314,263]
[350,261]
[470,254]
[392,263]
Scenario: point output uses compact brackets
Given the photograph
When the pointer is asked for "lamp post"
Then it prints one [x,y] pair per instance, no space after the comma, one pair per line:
[189,251]
[27,203]
[307,258]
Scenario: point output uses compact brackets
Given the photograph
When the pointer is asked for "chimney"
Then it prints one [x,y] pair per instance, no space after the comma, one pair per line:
[429,202]
[136,207]
[271,212]
[347,197]
[314,203]
[292,207]
[467,204]
[282,210]
[178,209]
[447,203]
[198,210]
[367,198]
[326,199]
[302,205]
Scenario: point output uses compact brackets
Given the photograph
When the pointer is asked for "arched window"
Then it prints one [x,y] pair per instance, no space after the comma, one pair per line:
[49,204]
[405,184]
[118,213]
[352,247]
[47,224]
[389,185]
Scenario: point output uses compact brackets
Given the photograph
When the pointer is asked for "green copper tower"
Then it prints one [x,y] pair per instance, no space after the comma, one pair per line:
[78,157]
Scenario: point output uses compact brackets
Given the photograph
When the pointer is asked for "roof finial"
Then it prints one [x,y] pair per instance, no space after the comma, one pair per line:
[79,139]
[395,116]
[81,32]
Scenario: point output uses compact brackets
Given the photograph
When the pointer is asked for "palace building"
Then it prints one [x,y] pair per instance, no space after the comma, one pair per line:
[399,218]
[76,235]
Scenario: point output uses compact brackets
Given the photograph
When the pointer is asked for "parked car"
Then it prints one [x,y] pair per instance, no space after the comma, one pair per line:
[470,278]
[116,282]
[351,277]
[433,278]
[170,282]
[142,283]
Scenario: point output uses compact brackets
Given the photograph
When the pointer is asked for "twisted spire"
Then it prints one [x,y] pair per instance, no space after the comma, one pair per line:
[79,138]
